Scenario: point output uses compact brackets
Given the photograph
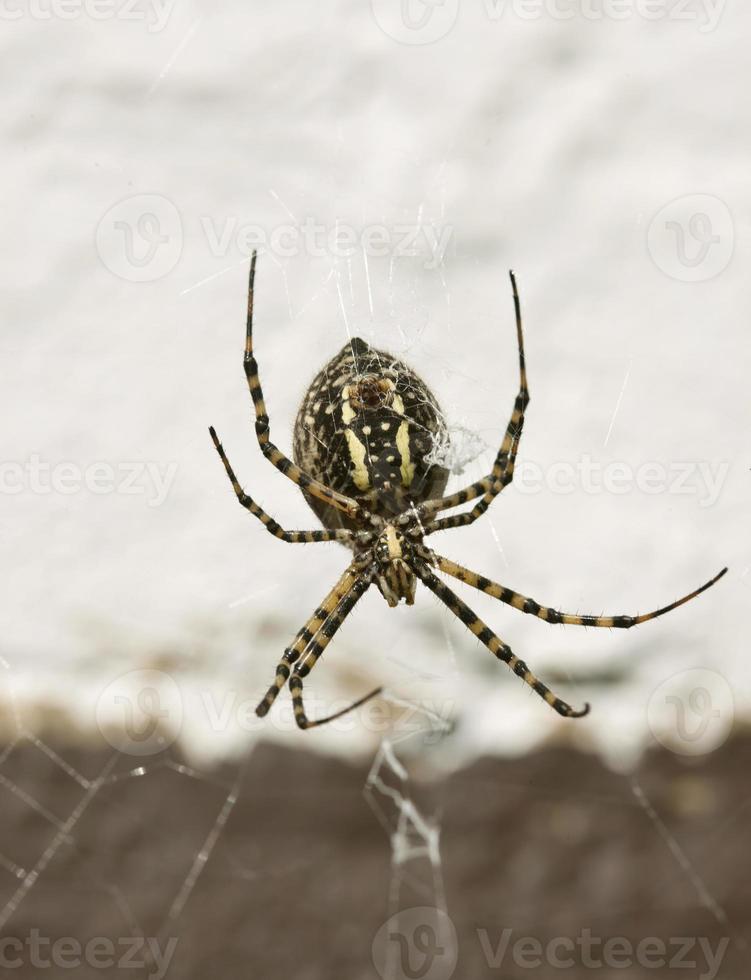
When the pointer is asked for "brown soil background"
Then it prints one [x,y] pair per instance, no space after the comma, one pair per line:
[297,883]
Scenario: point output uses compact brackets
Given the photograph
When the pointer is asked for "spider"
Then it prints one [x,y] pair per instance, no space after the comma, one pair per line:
[362,441]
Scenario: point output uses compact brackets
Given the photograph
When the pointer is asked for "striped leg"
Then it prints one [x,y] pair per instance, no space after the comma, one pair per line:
[320,617]
[470,516]
[496,646]
[503,469]
[345,504]
[344,536]
[295,686]
[528,605]
[316,648]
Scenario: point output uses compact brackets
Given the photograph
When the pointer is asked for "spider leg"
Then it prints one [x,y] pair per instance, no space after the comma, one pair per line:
[305,635]
[319,621]
[269,450]
[316,648]
[343,536]
[494,643]
[296,687]
[527,605]
[470,516]
[503,469]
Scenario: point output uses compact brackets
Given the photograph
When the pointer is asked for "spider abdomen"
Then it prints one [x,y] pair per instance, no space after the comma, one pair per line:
[366,428]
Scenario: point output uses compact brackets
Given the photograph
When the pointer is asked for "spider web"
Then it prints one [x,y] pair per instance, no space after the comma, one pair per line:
[409,811]
[454,445]
[158,943]
[406,809]
[414,835]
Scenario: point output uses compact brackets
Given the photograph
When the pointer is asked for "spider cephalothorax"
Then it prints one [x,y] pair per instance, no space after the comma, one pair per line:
[393,555]
[363,446]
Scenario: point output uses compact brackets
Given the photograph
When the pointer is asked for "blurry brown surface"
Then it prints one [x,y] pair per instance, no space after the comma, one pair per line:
[296,884]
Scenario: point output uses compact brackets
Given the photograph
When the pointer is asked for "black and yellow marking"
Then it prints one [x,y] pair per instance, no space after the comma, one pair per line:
[494,643]
[362,442]
[311,486]
[350,582]
[301,718]
[293,537]
[365,428]
[316,648]
[503,468]
[531,607]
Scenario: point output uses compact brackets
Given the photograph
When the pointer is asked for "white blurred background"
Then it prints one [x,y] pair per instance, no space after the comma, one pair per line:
[599,151]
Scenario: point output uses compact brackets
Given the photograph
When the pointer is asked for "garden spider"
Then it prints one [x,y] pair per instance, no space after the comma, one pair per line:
[361,448]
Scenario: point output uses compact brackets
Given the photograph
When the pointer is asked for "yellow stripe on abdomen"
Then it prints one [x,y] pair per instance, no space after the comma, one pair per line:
[402,444]
[357,455]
